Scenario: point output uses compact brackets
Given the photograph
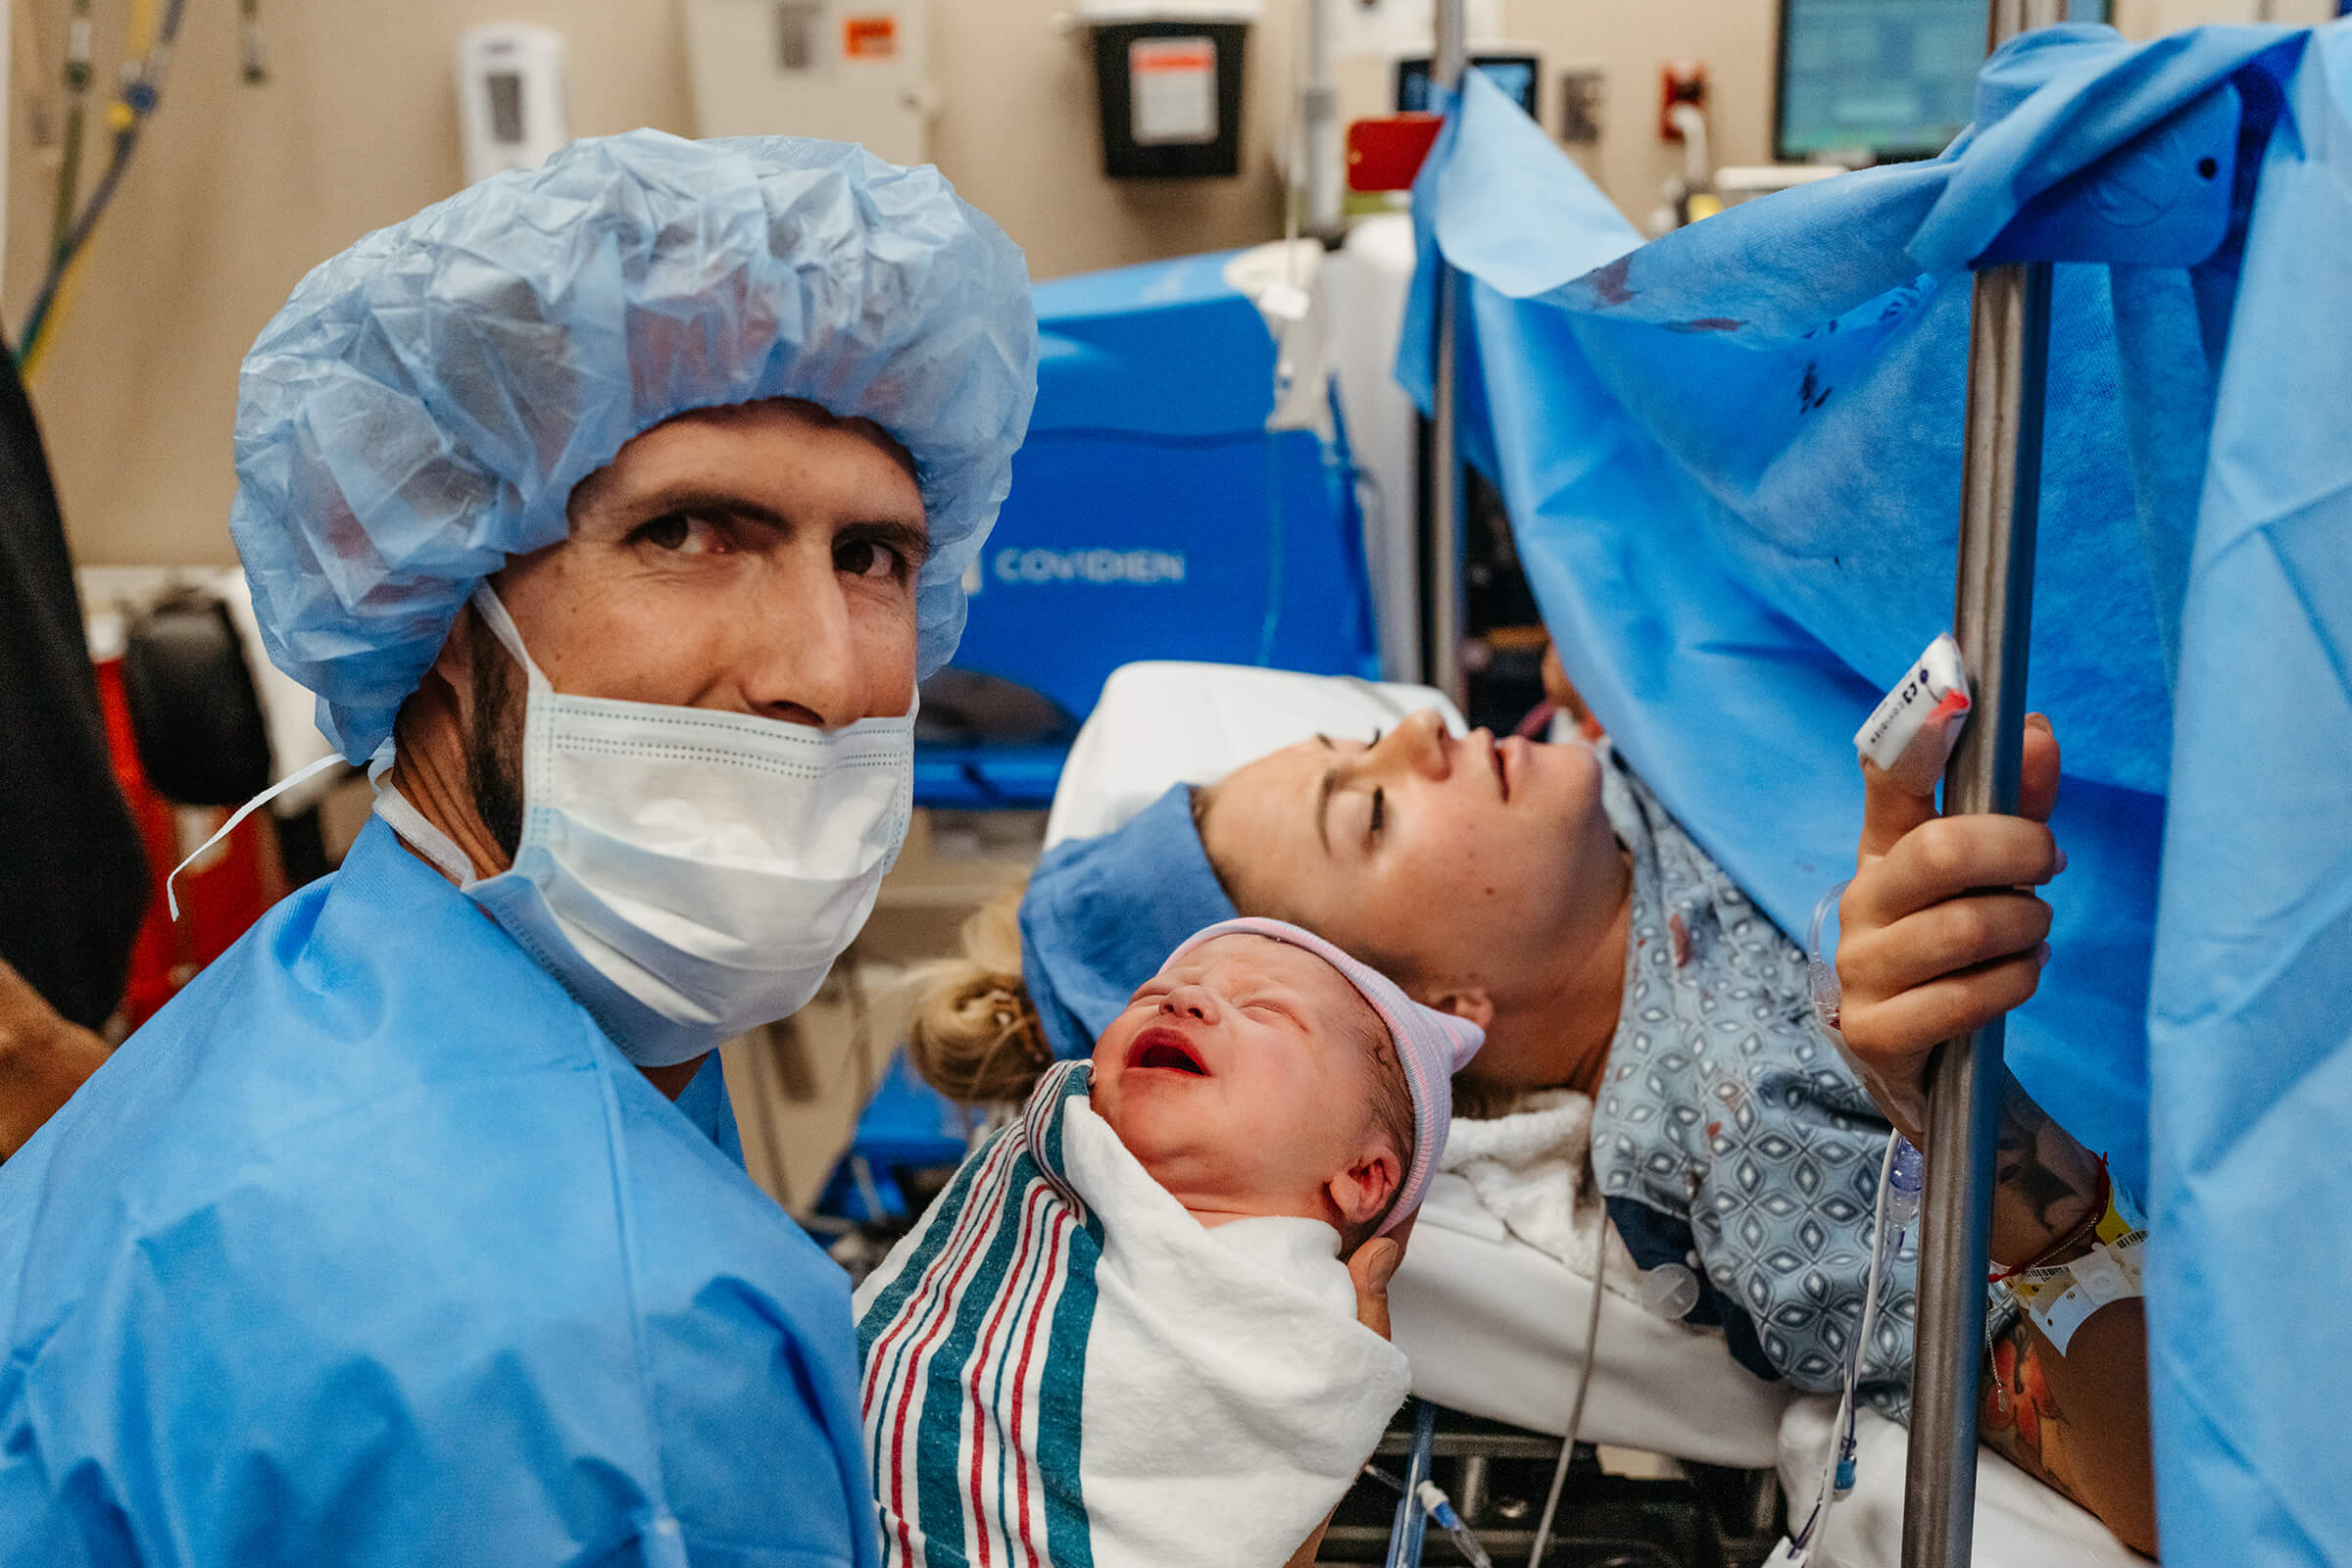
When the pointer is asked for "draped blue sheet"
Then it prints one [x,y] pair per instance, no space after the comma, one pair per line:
[1732,459]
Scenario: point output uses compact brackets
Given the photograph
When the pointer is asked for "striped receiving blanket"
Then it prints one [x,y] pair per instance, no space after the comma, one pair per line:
[1064,1368]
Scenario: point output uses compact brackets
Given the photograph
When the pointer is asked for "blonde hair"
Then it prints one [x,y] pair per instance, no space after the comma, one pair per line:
[975,1035]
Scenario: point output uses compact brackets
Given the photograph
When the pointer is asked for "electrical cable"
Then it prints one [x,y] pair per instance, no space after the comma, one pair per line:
[1576,1408]
[77,97]
[147,61]
[254,60]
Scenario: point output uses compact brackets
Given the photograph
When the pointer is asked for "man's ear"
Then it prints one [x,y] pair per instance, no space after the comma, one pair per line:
[1464,1001]
[453,665]
[1361,1191]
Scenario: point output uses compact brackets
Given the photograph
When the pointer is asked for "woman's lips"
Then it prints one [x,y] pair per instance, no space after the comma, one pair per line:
[1161,1049]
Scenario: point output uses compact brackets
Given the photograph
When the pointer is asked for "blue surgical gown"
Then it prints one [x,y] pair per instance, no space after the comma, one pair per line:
[370,1248]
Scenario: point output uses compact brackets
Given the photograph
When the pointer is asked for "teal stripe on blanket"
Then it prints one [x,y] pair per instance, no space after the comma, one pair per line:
[1062,1388]
[941,1464]
[886,1306]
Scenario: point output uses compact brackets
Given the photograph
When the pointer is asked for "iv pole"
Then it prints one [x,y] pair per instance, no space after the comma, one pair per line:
[1449,59]
[2001,493]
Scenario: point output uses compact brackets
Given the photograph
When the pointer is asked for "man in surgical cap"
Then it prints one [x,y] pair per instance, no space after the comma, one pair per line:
[612,511]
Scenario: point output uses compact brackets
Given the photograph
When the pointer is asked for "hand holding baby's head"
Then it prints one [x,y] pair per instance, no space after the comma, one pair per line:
[1262,1071]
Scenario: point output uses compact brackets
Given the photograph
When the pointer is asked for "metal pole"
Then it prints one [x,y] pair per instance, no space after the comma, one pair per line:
[1319,120]
[2000,491]
[1449,59]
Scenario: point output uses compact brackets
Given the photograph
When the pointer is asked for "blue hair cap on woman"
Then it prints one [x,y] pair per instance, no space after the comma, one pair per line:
[424,404]
[1102,915]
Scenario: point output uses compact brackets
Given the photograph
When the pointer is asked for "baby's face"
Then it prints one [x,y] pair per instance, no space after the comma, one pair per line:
[1242,1077]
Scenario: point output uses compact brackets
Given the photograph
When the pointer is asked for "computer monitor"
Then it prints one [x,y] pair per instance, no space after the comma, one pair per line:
[1879,81]
[1515,75]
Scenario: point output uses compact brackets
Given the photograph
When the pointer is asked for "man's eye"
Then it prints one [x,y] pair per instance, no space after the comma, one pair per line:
[1375,740]
[682,533]
[864,557]
[1380,810]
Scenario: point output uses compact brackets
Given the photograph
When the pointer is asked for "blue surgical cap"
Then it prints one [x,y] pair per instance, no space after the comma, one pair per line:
[422,408]
[1102,915]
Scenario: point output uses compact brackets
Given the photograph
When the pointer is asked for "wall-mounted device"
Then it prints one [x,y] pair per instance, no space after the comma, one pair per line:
[1168,79]
[509,97]
[1518,73]
[1878,81]
[846,69]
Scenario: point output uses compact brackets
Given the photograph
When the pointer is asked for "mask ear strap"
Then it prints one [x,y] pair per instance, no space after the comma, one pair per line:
[171,894]
[502,626]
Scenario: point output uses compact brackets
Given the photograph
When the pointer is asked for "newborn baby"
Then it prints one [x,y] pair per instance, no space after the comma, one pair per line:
[1125,1333]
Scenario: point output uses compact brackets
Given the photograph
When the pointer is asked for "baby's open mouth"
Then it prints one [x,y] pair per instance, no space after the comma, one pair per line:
[1167,1050]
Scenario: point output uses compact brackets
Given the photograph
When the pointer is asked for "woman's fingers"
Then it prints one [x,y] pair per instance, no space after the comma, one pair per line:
[2037,773]
[1944,939]
[1893,1032]
[1888,812]
[1944,858]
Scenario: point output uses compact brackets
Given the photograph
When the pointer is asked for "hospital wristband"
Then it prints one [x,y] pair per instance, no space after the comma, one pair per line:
[2061,1297]
[2083,1230]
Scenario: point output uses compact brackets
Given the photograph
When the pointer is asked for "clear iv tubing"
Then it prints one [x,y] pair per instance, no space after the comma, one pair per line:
[1901,1176]
[1440,1508]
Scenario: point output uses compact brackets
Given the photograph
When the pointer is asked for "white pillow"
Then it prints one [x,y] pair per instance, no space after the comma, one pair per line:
[1162,723]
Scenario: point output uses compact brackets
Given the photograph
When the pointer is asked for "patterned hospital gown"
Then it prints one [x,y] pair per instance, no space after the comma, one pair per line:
[1737,1155]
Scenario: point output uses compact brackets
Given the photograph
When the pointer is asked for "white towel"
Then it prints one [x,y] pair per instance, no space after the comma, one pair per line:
[1063,1366]
[1531,1170]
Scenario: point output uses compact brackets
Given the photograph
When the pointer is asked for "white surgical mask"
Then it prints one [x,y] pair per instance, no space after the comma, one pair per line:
[686,875]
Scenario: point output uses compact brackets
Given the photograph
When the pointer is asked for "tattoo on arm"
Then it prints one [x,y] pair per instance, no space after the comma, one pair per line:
[2018,1415]
[2044,1180]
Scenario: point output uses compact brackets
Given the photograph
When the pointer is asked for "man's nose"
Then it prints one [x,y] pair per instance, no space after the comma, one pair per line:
[1195,1002]
[796,655]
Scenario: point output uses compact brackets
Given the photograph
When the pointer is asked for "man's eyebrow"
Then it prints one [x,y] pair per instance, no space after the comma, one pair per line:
[717,503]
[911,540]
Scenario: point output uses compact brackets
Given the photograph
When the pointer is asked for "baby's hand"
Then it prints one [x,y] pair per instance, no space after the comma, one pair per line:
[1371,1268]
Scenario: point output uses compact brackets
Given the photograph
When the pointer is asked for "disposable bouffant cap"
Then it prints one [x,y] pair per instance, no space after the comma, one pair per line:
[424,404]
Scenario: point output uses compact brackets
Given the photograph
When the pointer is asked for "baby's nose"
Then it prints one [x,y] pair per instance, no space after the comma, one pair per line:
[1191,1001]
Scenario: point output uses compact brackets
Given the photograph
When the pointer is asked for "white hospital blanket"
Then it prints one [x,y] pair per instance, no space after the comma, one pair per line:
[1531,1170]
[1059,1359]
[2020,1522]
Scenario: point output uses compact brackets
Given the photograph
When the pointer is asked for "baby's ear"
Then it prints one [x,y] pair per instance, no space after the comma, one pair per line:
[1361,1191]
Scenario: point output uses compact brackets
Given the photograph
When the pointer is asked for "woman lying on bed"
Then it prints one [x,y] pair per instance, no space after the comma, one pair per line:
[1544,893]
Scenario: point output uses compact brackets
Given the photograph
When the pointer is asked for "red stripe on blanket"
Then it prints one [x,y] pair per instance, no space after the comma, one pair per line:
[974,1214]
[978,1364]
[915,1361]
[1020,1448]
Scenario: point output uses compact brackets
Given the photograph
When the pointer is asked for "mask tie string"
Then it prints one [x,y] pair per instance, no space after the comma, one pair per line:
[170,895]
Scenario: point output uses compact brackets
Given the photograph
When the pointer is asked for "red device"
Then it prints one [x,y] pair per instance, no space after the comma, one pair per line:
[1679,81]
[1386,154]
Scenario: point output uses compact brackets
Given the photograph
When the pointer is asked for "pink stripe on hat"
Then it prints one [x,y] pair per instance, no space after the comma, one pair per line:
[1434,1046]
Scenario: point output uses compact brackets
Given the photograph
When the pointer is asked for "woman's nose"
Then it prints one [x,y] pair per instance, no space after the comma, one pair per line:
[1192,1002]
[1418,744]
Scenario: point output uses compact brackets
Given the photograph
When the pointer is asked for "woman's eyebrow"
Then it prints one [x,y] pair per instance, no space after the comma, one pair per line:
[1325,787]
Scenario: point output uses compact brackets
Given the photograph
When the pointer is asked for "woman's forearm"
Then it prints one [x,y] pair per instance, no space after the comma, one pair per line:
[2079,1421]
[2045,1183]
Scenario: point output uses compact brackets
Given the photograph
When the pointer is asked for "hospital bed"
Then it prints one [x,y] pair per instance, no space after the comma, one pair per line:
[1494,1327]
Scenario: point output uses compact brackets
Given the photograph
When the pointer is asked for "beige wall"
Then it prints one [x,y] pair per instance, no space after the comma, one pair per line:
[238,190]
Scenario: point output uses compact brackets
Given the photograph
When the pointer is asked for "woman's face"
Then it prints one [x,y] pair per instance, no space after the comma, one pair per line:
[1468,861]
